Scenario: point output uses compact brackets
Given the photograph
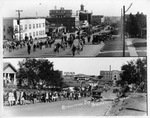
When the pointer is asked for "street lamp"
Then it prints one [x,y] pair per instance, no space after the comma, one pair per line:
[124,11]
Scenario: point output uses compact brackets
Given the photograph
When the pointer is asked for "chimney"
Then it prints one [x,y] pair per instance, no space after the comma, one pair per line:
[55,8]
[110,68]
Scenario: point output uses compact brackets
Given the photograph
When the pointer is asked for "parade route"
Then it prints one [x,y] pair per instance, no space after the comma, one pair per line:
[81,107]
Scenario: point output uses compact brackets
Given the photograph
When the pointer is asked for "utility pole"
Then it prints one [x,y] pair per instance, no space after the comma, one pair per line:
[124,27]
[123,31]
[18,22]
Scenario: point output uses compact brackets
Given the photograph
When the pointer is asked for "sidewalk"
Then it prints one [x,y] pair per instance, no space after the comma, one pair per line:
[133,47]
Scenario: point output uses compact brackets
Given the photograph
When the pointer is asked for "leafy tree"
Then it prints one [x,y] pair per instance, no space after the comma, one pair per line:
[134,71]
[37,72]
[134,24]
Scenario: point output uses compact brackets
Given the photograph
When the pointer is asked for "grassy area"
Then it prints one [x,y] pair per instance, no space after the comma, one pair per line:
[134,105]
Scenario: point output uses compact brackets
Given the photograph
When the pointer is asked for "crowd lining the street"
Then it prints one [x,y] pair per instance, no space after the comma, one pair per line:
[21,97]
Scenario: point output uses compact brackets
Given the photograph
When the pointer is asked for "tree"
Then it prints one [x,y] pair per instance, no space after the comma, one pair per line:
[10,31]
[135,23]
[38,72]
[134,71]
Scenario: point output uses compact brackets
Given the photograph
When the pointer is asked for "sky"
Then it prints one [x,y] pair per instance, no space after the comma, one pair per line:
[97,7]
[89,66]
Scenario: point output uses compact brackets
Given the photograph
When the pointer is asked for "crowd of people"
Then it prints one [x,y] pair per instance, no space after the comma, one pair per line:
[32,45]
[23,97]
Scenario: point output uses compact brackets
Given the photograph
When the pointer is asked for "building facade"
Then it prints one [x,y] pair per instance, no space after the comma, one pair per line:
[60,13]
[30,27]
[68,22]
[9,74]
[106,74]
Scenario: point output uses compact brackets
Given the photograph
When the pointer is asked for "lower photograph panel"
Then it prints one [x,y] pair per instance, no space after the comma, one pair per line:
[75,86]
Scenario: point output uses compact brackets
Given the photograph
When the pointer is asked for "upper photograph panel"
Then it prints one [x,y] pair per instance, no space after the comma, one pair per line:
[68,28]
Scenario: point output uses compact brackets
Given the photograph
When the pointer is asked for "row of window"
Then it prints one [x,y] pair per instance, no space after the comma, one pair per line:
[30,26]
[61,11]
[37,33]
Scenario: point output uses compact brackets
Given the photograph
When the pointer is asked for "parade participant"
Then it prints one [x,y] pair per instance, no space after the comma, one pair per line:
[28,48]
[34,47]
[73,50]
[89,37]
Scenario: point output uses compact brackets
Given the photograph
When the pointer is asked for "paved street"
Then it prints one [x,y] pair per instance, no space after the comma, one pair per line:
[111,48]
[81,107]
[88,50]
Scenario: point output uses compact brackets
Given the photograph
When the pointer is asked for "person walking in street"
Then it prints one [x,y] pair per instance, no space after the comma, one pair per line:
[28,48]
[89,38]
[73,50]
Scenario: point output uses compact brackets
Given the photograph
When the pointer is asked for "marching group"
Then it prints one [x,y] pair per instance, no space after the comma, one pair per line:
[20,97]
[66,41]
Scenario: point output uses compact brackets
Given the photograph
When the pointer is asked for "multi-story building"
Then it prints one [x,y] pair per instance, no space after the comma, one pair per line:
[84,15]
[106,74]
[63,18]
[60,13]
[34,27]
[112,75]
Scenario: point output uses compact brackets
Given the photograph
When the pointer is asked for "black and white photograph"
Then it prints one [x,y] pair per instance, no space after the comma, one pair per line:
[74,58]
[74,28]
[75,87]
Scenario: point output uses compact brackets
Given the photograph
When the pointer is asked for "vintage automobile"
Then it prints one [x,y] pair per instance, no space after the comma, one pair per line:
[97,38]
[96,95]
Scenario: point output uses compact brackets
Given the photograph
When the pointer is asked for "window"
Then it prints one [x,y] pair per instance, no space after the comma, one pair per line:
[39,24]
[21,27]
[36,33]
[36,25]
[43,24]
[4,36]
[39,32]
[25,26]
[33,25]
[30,34]
[33,33]
[29,26]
